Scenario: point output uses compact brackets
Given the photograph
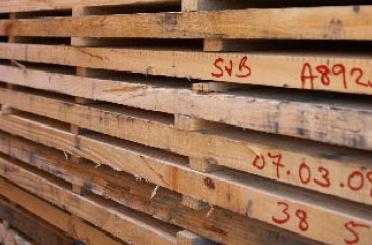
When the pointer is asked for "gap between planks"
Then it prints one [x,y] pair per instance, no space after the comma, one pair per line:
[218,182]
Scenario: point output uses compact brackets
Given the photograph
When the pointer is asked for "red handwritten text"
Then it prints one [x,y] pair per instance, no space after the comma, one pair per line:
[327,75]
[286,216]
[231,68]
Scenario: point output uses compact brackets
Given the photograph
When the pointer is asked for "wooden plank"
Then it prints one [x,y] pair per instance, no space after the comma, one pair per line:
[89,209]
[221,225]
[32,5]
[121,223]
[10,236]
[246,195]
[326,23]
[215,44]
[260,154]
[325,119]
[288,70]
[37,230]
[75,228]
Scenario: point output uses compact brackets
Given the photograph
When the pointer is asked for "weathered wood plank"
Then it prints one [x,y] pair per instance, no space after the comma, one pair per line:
[75,228]
[325,119]
[214,44]
[269,156]
[121,223]
[37,230]
[32,5]
[322,119]
[288,70]
[221,225]
[242,194]
[335,22]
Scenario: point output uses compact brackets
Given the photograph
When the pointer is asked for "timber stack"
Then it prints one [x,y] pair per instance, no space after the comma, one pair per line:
[185,122]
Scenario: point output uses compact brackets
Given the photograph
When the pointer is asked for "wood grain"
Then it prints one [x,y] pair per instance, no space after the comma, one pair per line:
[32,5]
[138,228]
[223,146]
[285,68]
[74,227]
[9,236]
[36,229]
[221,226]
[245,195]
[322,23]
[324,119]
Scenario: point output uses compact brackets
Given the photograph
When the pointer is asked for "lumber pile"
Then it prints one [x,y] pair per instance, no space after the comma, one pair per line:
[185,122]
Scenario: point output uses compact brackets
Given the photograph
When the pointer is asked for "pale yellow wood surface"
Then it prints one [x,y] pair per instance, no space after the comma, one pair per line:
[335,22]
[327,120]
[32,5]
[242,194]
[237,150]
[285,69]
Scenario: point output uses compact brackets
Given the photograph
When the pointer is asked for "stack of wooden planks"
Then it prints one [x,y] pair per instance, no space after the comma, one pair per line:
[185,122]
